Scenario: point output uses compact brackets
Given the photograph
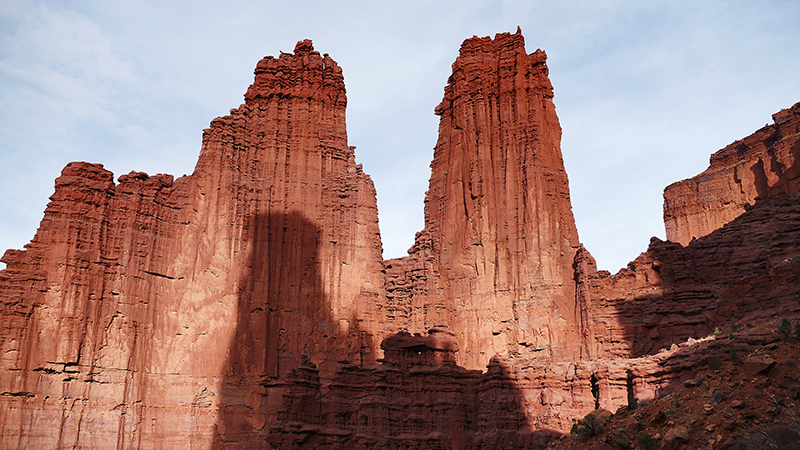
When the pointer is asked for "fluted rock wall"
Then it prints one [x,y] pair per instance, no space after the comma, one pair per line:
[418,397]
[760,165]
[161,314]
[247,306]
[652,326]
[494,261]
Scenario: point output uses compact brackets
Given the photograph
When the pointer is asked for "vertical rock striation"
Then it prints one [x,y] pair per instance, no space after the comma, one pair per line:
[158,314]
[494,261]
[247,306]
[759,165]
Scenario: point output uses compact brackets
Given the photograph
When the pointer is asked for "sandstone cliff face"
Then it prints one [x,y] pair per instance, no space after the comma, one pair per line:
[417,398]
[159,314]
[247,306]
[759,165]
[494,261]
[652,326]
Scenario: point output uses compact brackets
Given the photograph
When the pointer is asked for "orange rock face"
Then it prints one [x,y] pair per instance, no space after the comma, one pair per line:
[759,165]
[494,261]
[247,306]
[164,314]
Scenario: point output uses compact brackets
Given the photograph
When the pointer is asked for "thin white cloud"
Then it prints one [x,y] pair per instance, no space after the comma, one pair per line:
[645,91]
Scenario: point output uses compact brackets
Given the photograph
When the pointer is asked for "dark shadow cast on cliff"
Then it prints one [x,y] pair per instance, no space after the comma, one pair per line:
[416,398]
[288,383]
[738,275]
[283,315]
[683,306]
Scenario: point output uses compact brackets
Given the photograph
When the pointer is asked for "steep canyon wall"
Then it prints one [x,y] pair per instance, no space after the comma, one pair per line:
[760,165]
[247,305]
[161,313]
[494,261]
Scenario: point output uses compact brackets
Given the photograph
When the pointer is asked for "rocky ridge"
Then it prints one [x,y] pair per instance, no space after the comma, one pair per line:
[740,400]
[762,164]
[247,306]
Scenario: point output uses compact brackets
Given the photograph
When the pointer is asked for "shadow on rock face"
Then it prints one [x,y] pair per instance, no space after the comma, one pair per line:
[738,274]
[416,398]
[283,317]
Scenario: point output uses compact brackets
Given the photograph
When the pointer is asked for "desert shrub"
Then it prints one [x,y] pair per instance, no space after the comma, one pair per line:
[732,355]
[785,329]
[587,427]
[714,364]
[646,441]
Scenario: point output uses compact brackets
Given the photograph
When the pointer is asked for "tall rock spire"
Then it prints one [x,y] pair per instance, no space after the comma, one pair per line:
[175,309]
[499,238]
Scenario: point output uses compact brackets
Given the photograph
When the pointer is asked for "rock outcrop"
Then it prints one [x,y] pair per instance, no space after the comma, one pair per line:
[247,305]
[417,398]
[748,401]
[494,261]
[759,165]
[161,313]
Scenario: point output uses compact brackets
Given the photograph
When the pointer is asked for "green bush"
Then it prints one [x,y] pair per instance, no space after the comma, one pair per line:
[784,329]
[717,332]
[714,364]
[646,441]
[587,427]
[733,354]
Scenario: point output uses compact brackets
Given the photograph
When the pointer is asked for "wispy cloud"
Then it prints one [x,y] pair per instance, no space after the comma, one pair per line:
[645,91]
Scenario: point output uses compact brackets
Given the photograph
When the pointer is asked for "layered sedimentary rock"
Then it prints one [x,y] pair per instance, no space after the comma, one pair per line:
[161,313]
[759,165]
[494,261]
[417,398]
[738,273]
[652,326]
[672,292]
[247,306]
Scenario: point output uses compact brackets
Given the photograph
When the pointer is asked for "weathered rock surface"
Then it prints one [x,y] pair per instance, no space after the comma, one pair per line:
[725,409]
[494,261]
[762,164]
[417,398]
[671,293]
[164,314]
[247,306]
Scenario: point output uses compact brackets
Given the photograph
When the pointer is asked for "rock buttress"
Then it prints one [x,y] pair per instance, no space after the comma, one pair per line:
[760,165]
[494,261]
[161,314]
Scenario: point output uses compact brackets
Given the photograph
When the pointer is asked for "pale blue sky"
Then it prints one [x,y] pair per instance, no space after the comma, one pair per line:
[645,92]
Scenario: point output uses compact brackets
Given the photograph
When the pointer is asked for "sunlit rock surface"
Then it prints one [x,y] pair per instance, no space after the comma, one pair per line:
[247,305]
[760,165]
